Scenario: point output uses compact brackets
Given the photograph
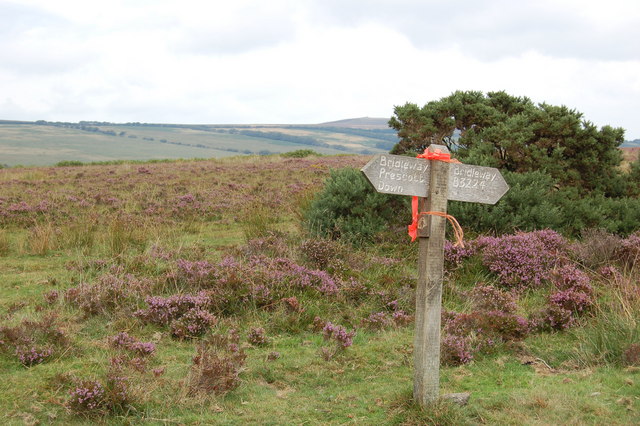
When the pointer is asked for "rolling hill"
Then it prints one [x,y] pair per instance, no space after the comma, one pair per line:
[45,143]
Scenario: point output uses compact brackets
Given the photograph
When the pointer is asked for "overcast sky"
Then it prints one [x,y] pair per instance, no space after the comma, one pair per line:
[310,61]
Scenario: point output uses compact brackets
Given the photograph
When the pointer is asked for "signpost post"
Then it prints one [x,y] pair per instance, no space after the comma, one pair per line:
[435,182]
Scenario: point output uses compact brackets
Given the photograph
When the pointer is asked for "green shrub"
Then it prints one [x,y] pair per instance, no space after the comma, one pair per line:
[534,201]
[349,208]
[69,163]
[300,153]
[527,206]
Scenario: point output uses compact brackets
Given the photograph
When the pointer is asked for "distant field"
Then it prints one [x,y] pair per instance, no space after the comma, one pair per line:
[630,154]
[42,143]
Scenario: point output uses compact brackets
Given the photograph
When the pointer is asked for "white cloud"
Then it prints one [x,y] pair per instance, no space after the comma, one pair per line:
[310,61]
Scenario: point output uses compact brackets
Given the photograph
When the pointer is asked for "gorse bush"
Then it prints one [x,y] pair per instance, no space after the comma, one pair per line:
[349,208]
[535,201]
[525,207]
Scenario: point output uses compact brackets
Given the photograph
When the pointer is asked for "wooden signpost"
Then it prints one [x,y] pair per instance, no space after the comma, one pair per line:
[435,182]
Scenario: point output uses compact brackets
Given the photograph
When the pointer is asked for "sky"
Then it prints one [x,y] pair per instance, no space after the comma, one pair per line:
[311,61]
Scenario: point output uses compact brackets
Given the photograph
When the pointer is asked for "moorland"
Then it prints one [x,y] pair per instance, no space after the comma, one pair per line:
[193,292]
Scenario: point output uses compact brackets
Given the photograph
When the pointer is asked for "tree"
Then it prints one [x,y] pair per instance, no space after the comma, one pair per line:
[515,134]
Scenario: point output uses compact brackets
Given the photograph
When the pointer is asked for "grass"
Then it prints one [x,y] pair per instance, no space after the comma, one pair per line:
[118,222]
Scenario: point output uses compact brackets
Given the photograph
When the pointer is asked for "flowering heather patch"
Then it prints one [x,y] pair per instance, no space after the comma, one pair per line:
[34,342]
[108,294]
[277,274]
[164,310]
[195,322]
[260,279]
[377,321]
[455,350]
[631,355]
[51,296]
[498,325]
[610,272]
[382,320]
[551,240]
[319,251]
[88,396]
[196,273]
[552,317]
[489,326]
[572,300]
[32,355]
[167,192]
[122,340]
[158,252]
[257,336]
[281,270]
[469,333]
[137,363]
[568,277]
[457,323]
[524,259]
[23,213]
[454,255]
[188,206]
[401,318]
[490,298]
[186,314]
[339,334]
[629,250]
[117,391]
[575,295]
[273,244]
[125,341]
[318,323]
[292,304]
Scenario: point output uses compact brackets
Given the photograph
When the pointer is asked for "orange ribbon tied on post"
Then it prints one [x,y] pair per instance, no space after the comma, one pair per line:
[413,227]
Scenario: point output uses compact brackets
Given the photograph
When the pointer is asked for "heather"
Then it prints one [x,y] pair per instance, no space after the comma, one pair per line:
[192,292]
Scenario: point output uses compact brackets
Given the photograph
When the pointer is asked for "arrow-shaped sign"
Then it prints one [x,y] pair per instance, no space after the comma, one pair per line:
[397,174]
